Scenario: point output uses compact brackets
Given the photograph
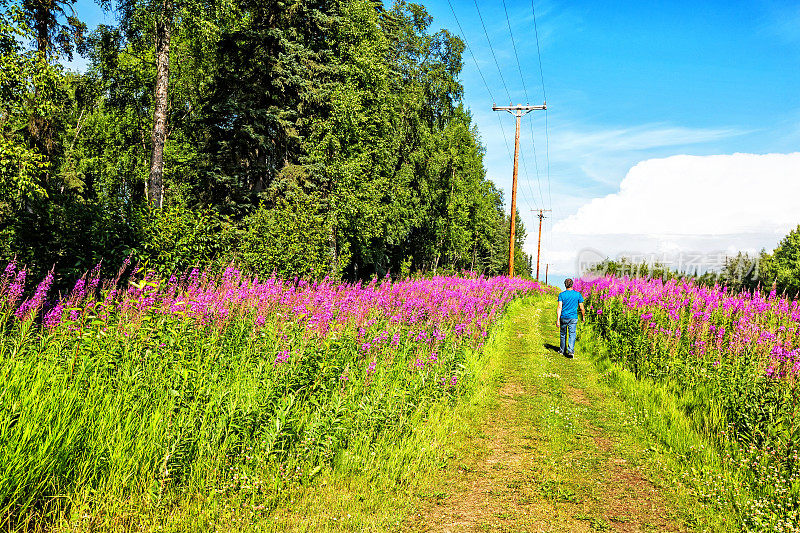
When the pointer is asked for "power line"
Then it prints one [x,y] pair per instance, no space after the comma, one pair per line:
[505,86]
[547,152]
[528,182]
[485,84]
[538,49]
[530,123]
[544,95]
[514,45]
[536,162]
[527,99]
[491,48]
[466,44]
[480,72]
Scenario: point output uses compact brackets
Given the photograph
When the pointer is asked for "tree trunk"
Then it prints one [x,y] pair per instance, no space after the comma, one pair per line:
[43,20]
[155,190]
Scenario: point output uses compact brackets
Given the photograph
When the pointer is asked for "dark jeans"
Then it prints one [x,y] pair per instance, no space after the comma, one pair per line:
[568,327]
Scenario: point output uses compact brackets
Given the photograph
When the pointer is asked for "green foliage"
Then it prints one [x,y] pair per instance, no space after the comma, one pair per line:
[742,272]
[625,267]
[176,238]
[782,267]
[346,109]
[22,166]
[21,169]
[746,416]
[291,239]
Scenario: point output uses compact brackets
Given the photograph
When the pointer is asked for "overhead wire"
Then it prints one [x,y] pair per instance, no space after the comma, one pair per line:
[544,95]
[491,49]
[508,94]
[480,72]
[475,60]
[549,223]
[514,46]
[527,100]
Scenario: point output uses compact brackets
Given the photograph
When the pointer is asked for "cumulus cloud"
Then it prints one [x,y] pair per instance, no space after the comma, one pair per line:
[698,195]
[687,203]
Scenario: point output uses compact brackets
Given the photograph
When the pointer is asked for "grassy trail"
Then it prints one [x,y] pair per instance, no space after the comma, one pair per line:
[557,450]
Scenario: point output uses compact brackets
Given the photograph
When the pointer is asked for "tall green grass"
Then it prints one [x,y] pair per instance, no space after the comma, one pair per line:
[742,485]
[380,486]
[124,420]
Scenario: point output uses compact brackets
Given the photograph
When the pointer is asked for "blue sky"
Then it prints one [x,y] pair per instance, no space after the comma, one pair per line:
[633,82]
[628,82]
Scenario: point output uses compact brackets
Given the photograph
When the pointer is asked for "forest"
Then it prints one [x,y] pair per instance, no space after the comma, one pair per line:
[303,138]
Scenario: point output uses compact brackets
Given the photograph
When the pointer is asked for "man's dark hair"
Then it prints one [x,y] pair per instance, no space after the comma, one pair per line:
[568,283]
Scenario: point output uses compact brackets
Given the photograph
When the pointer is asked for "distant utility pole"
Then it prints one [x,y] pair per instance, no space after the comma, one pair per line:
[517,111]
[546,269]
[539,247]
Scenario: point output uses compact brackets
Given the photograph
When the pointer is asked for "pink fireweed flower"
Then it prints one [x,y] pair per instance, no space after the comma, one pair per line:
[8,275]
[32,305]
[16,289]
[11,267]
[53,317]
[282,357]
[94,279]
[78,291]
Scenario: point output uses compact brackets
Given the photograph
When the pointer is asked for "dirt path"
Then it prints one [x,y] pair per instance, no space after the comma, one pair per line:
[555,454]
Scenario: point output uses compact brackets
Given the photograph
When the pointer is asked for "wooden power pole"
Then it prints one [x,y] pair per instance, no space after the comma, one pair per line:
[539,246]
[546,270]
[518,111]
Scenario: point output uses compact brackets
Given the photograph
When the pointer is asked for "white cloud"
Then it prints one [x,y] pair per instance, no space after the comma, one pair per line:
[686,204]
[697,195]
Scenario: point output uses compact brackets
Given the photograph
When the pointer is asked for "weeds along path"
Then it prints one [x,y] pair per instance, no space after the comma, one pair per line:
[556,453]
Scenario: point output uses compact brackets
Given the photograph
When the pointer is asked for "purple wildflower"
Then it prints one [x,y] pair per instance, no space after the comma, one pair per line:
[31,306]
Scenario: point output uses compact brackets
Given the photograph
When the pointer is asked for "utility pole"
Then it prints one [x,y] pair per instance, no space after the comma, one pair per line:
[539,247]
[518,111]
[546,269]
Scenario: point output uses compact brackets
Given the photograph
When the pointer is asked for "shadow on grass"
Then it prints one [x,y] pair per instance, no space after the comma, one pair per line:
[551,347]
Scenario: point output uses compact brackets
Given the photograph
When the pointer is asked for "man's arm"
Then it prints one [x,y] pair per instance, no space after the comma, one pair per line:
[583,311]
[558,314]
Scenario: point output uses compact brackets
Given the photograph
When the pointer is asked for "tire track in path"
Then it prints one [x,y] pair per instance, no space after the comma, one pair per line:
[555,452]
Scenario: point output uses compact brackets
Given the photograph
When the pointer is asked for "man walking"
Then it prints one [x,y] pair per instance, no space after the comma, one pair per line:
[569,301]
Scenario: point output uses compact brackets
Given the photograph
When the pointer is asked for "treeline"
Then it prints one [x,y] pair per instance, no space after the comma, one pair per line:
[778,271]
[308,138]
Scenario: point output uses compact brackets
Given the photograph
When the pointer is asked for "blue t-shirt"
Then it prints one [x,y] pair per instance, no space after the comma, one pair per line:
[570,300]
